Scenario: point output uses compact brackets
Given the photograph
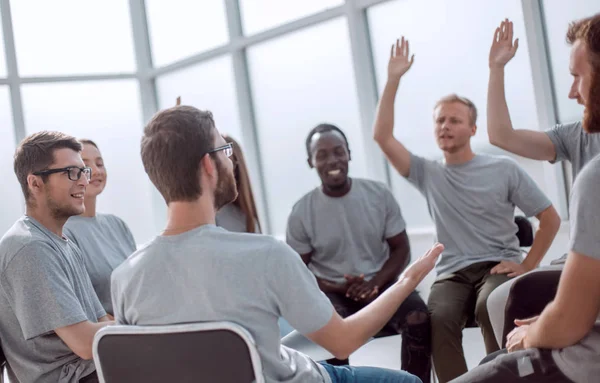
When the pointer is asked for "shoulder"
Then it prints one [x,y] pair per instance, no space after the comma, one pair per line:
[569,128]
[369,184]
[304,202]
[588,181]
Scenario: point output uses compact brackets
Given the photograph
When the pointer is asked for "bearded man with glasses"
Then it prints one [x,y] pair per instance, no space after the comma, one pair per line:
[49,312]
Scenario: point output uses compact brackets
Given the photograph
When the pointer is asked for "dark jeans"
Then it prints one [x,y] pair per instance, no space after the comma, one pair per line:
[91,378]
[528,297]
[411,320]
[454,299]
[532,365]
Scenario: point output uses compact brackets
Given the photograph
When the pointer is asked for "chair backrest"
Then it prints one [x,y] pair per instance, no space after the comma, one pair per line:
[525,233]
[209,352]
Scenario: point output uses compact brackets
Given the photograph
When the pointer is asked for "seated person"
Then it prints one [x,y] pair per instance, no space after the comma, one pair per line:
[562,344]
[351,234]
[527,295]
[104,239]
[49,312]
[471,199]
[241,215]
[244,278]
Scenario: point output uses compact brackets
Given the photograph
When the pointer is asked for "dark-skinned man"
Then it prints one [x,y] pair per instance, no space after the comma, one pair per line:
[351,234]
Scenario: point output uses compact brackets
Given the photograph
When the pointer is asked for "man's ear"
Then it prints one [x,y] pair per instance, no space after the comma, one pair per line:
[208,165]
[309,162]
[473,130]
[34,183]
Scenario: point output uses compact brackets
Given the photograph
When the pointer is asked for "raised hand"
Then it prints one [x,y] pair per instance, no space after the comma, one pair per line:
[399,61]
[419,269]
[503,49]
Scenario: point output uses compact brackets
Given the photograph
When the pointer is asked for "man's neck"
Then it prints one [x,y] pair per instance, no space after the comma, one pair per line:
[90,207]
[459,157]
[186,216]
[52,224]
[338,192]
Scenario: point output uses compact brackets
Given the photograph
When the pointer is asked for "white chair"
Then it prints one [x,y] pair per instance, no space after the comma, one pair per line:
[210,352]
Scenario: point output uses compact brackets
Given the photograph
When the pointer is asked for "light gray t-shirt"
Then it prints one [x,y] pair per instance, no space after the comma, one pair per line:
[573,144]
[473,205]
[211,274]
[43,286]
[347,235]
[581,362]
[105,241]
[231,217]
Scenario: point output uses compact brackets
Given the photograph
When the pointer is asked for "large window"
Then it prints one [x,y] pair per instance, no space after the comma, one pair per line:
[207,86]
[181,28]
[11,197]
[450,57]
[107,112]
[66,37]
[299,81]
[557,16]
[258,15]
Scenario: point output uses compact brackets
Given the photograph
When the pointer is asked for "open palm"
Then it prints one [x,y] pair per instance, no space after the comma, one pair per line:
[399,61]
[503,49]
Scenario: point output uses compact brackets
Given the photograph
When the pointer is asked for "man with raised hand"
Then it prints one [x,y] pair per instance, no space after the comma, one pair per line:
[472,199]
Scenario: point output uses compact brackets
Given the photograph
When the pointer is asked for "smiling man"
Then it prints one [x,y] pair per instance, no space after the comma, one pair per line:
[471,199]
[49,312]
[351,234]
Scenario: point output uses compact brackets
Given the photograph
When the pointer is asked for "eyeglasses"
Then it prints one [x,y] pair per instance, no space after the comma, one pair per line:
[228,149]
[74,172]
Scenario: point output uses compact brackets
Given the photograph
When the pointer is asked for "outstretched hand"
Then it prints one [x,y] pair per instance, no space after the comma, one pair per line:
[399,61]
[503,49]
[423,265]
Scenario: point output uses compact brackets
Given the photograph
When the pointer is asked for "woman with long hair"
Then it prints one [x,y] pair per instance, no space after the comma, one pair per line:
[240,215]
[104,239]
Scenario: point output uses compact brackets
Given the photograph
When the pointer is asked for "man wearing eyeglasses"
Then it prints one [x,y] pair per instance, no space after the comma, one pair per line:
[197,272]
[49,312]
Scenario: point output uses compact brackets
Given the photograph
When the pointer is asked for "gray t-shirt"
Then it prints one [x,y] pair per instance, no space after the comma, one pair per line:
[231,217]
[573,144]
[105,241]
[580,362]
[43,286]
[473,205]
[211,274]
[347,235]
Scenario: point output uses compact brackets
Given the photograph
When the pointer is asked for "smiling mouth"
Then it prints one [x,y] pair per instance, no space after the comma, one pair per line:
[77,195]
[334,172]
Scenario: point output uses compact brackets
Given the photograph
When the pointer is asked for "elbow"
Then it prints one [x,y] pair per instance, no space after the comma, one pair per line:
[495,139]
[84,353]
[550,220]
[341,353]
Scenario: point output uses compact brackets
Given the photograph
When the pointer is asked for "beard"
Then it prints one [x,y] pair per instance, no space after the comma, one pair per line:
[226,191]
[591,115]
[58,211]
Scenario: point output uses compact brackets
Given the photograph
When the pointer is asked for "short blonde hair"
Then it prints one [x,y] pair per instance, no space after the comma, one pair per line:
[462,100]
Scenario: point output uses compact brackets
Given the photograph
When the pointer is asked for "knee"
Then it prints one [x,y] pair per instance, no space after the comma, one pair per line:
[445,319]
[417,317]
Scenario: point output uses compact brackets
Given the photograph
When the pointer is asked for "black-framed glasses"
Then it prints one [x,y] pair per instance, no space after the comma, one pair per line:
[74,172]
[228,149]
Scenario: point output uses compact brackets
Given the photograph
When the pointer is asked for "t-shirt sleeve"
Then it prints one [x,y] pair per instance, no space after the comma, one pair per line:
[585,212]
[39,291]
[394,222]
[296,235]
[562,138]
[296,292]
[525,193]
[417,172]
[128,235]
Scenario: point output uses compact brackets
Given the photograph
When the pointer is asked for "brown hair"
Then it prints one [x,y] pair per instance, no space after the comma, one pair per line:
[87,141]
[462,100]
[36,153]
[245,199]
[174,142]
[588,31]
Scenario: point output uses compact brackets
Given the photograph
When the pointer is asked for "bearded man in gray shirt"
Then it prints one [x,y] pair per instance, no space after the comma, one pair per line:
[527,295]
[472,199]
[562,344]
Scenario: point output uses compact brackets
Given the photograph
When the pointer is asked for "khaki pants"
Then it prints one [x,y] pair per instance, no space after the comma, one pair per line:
[455,298]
